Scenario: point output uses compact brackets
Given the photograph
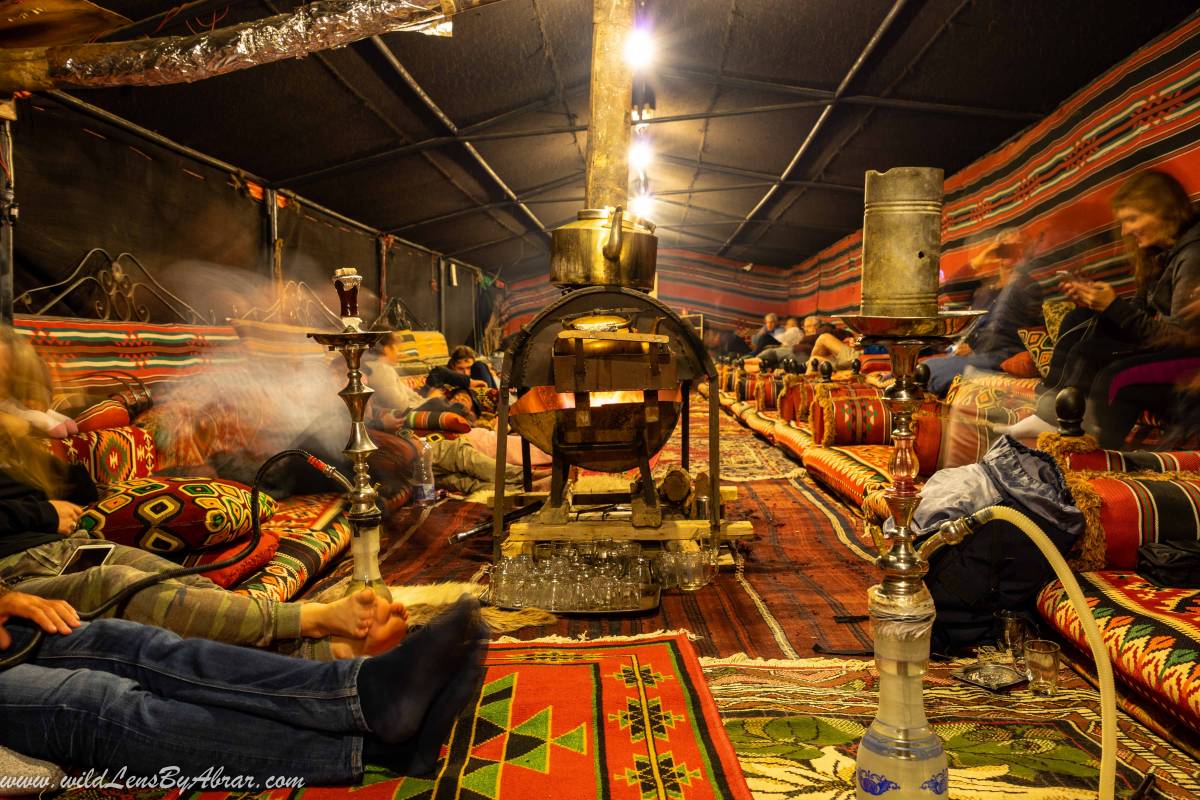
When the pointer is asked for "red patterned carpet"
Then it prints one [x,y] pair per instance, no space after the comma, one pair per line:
[794,580]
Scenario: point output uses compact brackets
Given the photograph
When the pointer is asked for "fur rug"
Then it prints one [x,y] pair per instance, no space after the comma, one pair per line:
[424,602]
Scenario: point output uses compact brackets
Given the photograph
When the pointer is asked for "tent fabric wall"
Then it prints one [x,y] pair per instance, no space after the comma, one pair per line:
[200,231]
[1054,180]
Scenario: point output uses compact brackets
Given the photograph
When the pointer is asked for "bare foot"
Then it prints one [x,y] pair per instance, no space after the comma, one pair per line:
[350,617]
[388,629]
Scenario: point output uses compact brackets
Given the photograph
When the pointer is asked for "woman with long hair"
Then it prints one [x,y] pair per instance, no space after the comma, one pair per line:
[1126,353]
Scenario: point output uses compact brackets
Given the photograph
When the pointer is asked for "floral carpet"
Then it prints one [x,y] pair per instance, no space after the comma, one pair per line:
[796,726]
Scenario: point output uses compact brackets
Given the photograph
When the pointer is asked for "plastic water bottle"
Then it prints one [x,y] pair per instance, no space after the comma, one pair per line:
[424,490]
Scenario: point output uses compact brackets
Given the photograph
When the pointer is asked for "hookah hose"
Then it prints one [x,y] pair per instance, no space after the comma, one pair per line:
[1108,692]
[129,591]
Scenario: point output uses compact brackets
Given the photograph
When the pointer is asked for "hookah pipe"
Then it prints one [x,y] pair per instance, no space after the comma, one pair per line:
[953,532]
[126,594]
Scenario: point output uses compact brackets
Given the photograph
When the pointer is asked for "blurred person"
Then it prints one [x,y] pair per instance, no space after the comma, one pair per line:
[1012,299]
[1106,336]
[788,341]
[724,342]
[768,335]
[379,365]
[41,502]
[463,360]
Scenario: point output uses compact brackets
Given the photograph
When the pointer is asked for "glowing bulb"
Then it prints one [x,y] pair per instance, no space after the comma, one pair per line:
[642,206]
[639,49]
[640,155]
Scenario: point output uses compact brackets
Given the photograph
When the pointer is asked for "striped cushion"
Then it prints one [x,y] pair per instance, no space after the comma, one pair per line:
[105,414]
[851,473]
[842,420]
[76,349]
[431,347]
[1133,461]
[277,342]
[1152,635]
[874,362]
[437,421]
[312,533]
[1129,511]
[766,396]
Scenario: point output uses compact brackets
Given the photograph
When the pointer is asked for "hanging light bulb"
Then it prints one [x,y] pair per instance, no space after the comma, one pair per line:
[640,49]
[642,206]
[641,155]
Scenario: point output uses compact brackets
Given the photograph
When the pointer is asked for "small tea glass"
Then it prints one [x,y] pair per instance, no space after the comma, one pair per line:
[1041,664]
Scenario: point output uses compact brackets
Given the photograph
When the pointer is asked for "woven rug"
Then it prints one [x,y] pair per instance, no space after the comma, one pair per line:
[796,725]
[623,719]
[782,599]
[744,457]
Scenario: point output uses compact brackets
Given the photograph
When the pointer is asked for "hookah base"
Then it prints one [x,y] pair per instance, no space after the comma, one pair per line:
[901,769]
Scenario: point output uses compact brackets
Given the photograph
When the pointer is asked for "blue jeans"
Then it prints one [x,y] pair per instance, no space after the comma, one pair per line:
[115,693]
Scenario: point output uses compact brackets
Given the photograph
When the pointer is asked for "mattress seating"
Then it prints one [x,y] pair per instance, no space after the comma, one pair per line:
[306,533]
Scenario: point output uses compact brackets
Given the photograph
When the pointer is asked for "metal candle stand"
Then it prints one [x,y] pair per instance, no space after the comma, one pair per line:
[364,514]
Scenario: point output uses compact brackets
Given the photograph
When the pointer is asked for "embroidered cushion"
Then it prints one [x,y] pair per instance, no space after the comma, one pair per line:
[1039,344]
[173,515]
[851,473]
[844,421]
[1021,365]
[105,414]
[1054,311]
[975,407]
[1151,635]
[110,455]
[230,576]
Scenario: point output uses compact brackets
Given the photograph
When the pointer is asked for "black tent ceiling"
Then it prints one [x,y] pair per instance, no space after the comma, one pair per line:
[768,111]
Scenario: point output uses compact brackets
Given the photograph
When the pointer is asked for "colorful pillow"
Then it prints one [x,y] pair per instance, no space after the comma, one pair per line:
[1040,346]
[431,347]
[976,407]
[110,455]
[1054,312]
[173,515]
[1150,634]
[1021,365]
[437,421]
[232,575]
[105,414]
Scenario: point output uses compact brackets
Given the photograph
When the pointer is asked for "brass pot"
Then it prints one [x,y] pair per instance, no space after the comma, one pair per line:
[604,247]
[605,323]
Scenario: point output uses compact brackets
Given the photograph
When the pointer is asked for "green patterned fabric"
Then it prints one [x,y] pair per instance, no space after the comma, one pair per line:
[795,726]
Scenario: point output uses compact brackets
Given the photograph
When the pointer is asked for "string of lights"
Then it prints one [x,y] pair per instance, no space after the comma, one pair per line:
[640,52]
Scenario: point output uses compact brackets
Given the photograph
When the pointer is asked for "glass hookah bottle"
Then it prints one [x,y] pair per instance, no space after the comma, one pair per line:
[900,756]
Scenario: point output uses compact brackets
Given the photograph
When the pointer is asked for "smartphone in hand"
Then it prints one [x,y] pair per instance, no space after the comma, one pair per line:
[1069,276]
